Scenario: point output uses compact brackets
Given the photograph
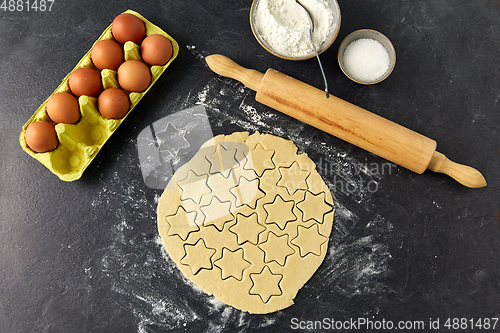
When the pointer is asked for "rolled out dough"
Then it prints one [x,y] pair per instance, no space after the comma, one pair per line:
[248,220]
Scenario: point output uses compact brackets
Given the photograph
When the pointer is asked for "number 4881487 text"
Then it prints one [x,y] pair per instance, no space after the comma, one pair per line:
[26,5]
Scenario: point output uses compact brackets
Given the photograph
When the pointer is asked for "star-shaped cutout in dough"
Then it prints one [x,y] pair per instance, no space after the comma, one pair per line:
[276,248]
[194,187]
[223,160]
[221,185]
[314,206]
[247,192]
[259,159]
[172,140]
[232,264]
[309,240]
[198,256]
[280,212]
[247,229]
[266,284]
[217,213]
[182,223]
[293,178]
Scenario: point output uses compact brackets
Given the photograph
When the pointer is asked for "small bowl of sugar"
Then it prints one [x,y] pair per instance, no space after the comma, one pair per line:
[366,56]
[281,27]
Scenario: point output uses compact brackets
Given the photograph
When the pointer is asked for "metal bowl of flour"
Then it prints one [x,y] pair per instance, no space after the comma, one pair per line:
[271,35]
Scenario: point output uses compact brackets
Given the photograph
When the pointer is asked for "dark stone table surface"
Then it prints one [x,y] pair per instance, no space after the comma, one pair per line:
[85,256]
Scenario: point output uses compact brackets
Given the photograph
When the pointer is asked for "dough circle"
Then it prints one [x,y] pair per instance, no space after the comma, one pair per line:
[247,219]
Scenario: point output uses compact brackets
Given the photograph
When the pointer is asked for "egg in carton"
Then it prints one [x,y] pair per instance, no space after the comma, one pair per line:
[79,143]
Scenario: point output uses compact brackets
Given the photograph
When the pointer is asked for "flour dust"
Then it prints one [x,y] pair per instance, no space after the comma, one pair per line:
[147,283]
[359,256]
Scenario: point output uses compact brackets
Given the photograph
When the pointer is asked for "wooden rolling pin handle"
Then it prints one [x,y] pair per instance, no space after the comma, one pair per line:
[463,174]
[226,67]
[346,121]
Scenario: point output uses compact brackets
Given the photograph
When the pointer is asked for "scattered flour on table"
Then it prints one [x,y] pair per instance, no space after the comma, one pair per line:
[142,274]
[134,262]
[221,100]
[354,264]
[194,51]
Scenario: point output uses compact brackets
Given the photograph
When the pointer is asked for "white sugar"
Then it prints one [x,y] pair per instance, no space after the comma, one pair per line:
[366,59]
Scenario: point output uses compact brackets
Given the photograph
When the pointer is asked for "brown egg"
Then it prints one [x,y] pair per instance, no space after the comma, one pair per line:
[128,27]
[134,76]
[85,81]
[107,54]
[63,108]
[41,136]
[113,103]
[156,50]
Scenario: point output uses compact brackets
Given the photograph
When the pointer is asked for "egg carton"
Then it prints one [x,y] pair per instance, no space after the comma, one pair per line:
[79,143]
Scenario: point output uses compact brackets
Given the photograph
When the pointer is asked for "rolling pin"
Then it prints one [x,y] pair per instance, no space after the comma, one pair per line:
[346,121]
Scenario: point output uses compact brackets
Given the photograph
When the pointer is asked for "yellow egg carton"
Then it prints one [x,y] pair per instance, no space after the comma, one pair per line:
[79,143]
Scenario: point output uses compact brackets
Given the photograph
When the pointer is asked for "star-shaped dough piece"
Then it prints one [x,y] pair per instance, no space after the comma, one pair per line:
[279,212]
[182,223]
[232,264]
[247,229]
[171,140]
[276,248]
[217,213]
[247,192]
[314,206]
[293,178]
[194,187]
[223,160]
[266,284]
[259,159]
[198,256]
[309,240]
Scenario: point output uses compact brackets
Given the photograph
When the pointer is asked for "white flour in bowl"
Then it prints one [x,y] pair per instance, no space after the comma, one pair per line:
[284,26]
